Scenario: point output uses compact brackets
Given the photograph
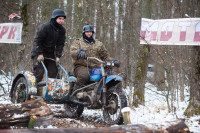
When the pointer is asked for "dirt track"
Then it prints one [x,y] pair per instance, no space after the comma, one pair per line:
[86,120]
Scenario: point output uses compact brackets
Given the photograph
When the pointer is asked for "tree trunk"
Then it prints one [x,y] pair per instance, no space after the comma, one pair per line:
[18,115]
[194,105]
[141,72]
[194,76]
[159,77]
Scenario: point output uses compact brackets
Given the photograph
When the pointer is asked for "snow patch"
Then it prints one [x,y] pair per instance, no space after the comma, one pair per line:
[18,116]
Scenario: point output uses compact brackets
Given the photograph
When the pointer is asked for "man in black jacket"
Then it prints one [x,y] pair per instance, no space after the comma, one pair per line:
[48,43]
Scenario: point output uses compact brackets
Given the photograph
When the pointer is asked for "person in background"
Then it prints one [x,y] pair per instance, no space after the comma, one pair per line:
[48,44]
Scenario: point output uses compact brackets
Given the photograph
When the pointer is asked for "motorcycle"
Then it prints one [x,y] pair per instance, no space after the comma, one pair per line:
[103,92]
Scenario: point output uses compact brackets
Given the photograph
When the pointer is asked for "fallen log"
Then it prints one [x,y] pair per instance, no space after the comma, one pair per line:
[36,113]
[18,115]
[116,129]
[178,127]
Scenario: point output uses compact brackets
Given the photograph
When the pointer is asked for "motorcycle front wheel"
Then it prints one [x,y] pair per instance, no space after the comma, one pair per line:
[116,100]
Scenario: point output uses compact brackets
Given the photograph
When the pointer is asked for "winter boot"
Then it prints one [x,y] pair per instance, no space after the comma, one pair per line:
[71,85]
[72,89]
[40,91]
[76,86]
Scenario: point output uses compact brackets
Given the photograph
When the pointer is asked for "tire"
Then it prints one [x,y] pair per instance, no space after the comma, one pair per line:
[115,100]
[73,110]
[20,93]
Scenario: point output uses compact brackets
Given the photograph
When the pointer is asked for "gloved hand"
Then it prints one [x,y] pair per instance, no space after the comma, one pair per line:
[57,60]
[81,54]
[40,58]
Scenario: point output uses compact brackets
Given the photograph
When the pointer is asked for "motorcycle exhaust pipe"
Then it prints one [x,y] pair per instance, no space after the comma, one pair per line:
[85,96]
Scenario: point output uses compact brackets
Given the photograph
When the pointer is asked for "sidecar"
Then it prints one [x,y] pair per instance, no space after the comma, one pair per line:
[54,90]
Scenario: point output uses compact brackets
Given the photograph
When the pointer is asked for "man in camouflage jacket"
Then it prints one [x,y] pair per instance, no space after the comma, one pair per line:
[86,47]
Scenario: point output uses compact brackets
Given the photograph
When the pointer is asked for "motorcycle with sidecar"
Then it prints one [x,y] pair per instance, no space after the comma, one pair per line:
[103,92]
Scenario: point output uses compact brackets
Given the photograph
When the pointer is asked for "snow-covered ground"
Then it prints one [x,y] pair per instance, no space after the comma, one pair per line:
[154,112]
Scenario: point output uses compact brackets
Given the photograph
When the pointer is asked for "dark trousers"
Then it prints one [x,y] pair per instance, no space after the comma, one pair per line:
[82,75]
[39,70]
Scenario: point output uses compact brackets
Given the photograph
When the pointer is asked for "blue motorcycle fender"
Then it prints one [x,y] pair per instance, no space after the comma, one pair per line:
[113,77]
[31,79]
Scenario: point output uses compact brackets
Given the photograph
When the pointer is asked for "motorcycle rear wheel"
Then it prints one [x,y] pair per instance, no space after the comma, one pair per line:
[116,100]
[20,93]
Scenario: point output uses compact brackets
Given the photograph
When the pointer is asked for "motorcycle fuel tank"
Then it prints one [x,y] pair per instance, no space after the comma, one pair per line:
[95,74]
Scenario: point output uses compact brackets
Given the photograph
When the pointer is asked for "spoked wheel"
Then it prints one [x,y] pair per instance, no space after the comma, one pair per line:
[20,93]
[116,100]
[73,110]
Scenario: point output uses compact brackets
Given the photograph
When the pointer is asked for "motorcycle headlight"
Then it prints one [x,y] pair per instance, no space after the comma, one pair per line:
[109,64]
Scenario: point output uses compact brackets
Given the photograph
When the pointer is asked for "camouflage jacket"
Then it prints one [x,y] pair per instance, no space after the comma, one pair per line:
[96,49]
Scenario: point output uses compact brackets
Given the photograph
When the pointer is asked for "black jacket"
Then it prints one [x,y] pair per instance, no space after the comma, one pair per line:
[49,40]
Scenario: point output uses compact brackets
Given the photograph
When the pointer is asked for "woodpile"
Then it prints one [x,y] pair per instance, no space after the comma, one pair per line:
[36,113]
[19,115]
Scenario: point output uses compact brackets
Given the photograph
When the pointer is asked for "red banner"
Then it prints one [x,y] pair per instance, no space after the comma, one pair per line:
[10,32]
[184,31]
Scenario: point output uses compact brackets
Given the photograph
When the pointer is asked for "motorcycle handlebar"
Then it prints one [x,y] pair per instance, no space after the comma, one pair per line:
[113,63]
[94,58]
